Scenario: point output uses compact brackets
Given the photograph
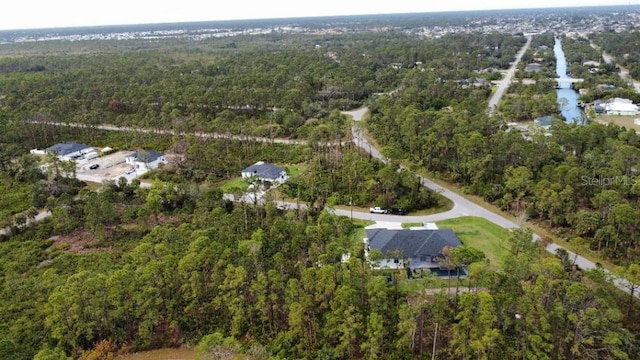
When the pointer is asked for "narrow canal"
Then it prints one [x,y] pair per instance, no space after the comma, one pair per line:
[567,97]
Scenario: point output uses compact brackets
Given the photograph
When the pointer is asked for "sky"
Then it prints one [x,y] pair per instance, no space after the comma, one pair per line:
[33,14]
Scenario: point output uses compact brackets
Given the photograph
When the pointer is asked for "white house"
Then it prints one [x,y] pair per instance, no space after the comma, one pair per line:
[70,150]
[146,160]
[265,172]
[618,106]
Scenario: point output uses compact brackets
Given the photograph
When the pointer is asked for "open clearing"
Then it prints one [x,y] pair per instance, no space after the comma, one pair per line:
[620,120]
[481,234]
[162,354]
[235,183]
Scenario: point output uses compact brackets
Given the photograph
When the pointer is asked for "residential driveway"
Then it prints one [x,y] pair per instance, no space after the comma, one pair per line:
[357,114]
[251,198]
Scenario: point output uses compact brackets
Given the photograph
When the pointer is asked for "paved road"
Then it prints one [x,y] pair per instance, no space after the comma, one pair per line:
[203,135]
[504,84]
[39,217]
[461,206]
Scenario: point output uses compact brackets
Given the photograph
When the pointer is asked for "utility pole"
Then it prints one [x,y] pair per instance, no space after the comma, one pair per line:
[435,339]
[351,205]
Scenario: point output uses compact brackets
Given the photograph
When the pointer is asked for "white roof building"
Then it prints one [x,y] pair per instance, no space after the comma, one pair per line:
[619,106]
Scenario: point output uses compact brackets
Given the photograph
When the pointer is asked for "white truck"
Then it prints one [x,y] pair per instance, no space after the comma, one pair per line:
[377,210]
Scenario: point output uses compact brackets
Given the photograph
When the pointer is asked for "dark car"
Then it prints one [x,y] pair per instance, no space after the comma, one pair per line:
[398,211]
[94,166]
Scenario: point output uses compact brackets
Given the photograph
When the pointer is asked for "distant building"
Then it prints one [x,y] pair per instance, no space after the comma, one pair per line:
[591,63]
[265,172]
[619,106]
[417,250]
[533,67]
[71,151]
[606,87]
[475,82]
[146,160]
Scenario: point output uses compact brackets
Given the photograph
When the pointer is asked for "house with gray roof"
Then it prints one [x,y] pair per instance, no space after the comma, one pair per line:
[69,150]
[419,249]
[145,160]
[264,171]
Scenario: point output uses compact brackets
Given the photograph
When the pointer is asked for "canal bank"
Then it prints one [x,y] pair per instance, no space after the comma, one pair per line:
[567,96]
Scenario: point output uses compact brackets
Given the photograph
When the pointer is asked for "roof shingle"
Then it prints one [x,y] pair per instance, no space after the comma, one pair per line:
[412,243]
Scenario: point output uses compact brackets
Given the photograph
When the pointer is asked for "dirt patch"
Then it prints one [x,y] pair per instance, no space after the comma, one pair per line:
[162,354]
[78,241]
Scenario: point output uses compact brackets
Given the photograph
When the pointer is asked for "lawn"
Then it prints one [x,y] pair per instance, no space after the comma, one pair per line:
[480,234]
[294,170]
[411,224]
[359,233]
[238,182]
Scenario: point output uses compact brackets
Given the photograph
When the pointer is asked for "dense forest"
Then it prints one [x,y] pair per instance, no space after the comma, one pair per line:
[120,267]
[146,268]
[266,87]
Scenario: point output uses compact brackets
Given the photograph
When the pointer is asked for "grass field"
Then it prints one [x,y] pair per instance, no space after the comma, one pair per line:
[295,170]
[411,224]
[359,233]
[238,182]
[480,234]
[626,121]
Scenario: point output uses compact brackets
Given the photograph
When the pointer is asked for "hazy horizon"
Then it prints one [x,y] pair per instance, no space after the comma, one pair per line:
[41,14]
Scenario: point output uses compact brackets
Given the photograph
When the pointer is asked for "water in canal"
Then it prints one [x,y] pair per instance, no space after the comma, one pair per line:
[567,97]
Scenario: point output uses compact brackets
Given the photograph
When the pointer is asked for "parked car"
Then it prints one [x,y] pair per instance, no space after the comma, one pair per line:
[377,210]
[398,211]
[94,166]
[130,171]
